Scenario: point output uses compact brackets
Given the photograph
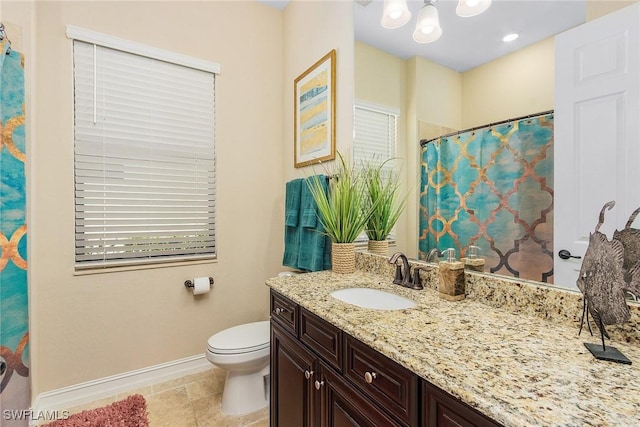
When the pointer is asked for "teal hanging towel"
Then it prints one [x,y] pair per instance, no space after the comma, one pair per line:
[306,247]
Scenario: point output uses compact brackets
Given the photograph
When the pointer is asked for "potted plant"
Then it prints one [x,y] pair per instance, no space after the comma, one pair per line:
[382,198]
[341,211]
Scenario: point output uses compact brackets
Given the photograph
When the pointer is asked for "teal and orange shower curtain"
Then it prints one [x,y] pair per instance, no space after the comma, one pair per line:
[492,188]
[14,321]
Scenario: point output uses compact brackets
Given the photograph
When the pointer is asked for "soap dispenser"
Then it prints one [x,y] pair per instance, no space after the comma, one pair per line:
[472,262]
[451,277]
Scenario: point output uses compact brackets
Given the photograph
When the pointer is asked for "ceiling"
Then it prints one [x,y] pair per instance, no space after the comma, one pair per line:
[466,42]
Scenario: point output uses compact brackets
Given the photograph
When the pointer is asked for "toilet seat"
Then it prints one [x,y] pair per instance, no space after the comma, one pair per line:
[247,338]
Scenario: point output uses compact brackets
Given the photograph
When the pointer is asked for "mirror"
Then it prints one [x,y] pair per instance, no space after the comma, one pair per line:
[436,100]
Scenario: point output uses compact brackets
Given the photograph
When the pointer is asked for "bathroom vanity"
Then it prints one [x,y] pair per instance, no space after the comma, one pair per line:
[322,376]
[440,363]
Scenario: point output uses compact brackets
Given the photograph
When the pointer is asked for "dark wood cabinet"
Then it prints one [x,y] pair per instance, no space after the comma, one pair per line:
[308,388]
[391,385]
[285,313]
[293,371]
[323,377]
[342,405]
[441,409]
[321,337]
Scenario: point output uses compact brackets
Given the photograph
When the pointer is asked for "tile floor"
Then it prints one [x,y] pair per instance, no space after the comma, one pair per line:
[190,401]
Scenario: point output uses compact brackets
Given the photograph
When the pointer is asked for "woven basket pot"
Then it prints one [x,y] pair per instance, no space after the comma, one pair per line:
[378,247]
[343,257]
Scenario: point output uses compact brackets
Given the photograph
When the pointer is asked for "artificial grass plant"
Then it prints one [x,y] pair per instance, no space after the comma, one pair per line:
[382,198]
[342,212]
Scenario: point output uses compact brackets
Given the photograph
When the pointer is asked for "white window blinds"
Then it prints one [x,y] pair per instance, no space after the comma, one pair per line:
[375,134]
[144,159]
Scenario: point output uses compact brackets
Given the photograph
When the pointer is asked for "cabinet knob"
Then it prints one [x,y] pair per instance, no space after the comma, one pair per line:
[319,384]
[369,377]
[308,374]
[280,310]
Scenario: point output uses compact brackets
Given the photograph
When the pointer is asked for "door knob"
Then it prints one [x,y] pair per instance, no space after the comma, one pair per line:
[565,254]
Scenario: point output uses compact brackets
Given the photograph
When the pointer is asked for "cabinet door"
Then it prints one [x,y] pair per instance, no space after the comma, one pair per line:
[394,387]
[343,406]
[443,410]
[293,372]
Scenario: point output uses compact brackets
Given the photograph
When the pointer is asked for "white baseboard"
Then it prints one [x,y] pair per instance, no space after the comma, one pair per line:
[79,394]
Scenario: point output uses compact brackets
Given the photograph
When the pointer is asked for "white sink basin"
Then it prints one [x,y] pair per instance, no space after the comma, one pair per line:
[373,298]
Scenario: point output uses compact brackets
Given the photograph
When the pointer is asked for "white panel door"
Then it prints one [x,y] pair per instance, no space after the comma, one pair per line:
[597,138]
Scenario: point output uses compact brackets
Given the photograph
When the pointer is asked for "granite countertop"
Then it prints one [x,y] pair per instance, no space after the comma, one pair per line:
[519,370]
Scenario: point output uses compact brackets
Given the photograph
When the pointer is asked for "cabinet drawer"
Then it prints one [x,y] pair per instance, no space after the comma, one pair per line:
[322,337]
[343,405]
[441,409]
[393,386]
[284,312]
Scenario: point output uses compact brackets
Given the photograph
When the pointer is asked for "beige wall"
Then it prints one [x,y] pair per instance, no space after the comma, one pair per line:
[311,30]
[381,80]
[514,85]
[436,96]
[598,8]
[380,77]
[421,90]
[85,327]
[438,92]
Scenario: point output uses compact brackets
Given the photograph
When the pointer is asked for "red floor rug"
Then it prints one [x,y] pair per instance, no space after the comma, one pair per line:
[130,412]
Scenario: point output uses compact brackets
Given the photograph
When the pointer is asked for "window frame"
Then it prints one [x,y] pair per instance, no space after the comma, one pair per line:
[388,111]
[128,47]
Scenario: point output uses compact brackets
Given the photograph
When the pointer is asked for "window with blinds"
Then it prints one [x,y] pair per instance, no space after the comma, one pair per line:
[375,134]
[144,158]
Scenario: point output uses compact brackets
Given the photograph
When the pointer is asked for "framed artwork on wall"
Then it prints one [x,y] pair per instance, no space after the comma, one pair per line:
[314,113]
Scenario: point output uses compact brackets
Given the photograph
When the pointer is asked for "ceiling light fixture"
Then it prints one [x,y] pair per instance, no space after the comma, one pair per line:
[468,8]
[396,14]
[428,25]
[510,37]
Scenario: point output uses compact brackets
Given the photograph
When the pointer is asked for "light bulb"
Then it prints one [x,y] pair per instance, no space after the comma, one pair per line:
[427,30]
[468,8]
[428,25]
[395,14]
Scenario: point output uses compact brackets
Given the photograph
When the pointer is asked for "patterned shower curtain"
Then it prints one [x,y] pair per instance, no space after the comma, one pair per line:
[492,188]
[14,326]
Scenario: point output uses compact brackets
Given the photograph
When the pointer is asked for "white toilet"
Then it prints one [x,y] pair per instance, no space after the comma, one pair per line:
[243,351]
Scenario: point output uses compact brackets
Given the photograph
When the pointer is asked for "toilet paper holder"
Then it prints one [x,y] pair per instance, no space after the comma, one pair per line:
[189,283]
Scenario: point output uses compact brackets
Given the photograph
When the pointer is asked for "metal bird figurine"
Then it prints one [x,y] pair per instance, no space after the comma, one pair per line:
[630,239]
[602,282]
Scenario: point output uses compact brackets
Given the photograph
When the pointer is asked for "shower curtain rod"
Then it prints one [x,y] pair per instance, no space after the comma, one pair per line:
[3,35]
[424,142]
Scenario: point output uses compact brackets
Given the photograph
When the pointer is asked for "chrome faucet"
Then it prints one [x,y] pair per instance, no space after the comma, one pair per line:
[403,274]
[433,253]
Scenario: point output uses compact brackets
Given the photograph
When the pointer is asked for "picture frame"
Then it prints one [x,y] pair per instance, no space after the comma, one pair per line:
[315,112]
